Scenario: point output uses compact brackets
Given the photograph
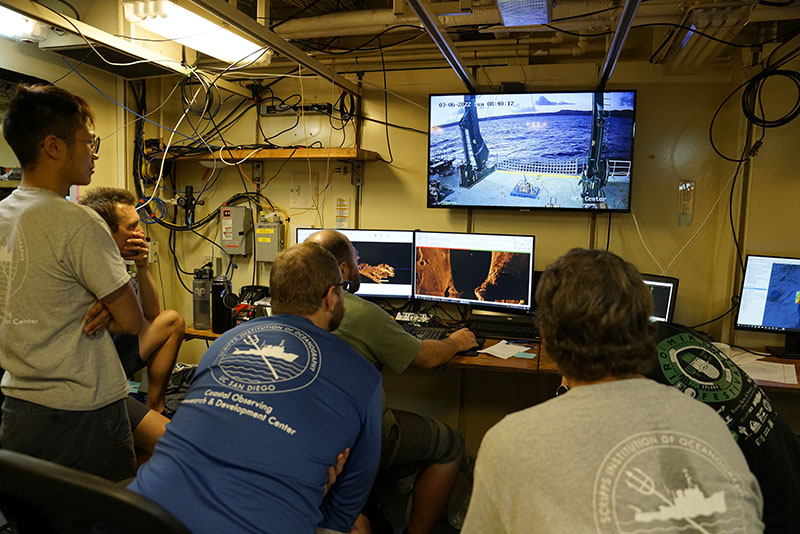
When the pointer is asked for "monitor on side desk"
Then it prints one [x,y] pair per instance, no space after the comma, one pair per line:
[665,292]
[771,300]
[386,260]
[485,270]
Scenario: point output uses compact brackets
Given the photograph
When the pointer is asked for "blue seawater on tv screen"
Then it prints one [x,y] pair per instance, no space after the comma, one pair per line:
[569,150]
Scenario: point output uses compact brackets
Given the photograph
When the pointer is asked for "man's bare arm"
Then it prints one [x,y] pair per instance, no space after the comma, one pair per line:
[138,250]
[125,311]
[435,352]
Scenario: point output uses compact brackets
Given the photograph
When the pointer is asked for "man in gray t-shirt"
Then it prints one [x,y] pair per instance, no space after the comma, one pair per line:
[618,452]
[56,260]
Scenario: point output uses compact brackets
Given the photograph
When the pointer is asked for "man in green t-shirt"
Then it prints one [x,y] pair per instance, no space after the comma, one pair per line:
[410,442]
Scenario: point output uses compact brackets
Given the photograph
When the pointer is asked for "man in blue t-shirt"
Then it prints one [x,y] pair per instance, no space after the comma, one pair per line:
[272,404]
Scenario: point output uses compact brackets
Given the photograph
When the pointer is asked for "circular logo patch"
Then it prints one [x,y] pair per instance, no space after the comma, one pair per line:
[13,265]
[698,369]
[661,481]
[268,358]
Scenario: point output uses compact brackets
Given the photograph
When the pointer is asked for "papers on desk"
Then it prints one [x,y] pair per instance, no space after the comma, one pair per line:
[782,373]
[505,350]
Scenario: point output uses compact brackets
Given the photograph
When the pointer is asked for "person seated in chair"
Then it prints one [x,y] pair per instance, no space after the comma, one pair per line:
[158,343]
[617,452]
[272,404]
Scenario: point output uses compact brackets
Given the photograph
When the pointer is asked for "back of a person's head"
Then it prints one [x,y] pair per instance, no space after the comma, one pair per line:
[104,201]
[334,242]
[593,311]
[37,111]
[301,277]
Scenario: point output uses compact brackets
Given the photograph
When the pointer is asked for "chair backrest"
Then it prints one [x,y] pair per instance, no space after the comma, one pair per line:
[40,496]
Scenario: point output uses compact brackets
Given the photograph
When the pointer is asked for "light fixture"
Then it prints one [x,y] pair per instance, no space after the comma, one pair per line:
[194,31]
[20,28]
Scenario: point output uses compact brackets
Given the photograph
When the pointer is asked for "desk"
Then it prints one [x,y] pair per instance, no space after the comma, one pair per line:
[543,363]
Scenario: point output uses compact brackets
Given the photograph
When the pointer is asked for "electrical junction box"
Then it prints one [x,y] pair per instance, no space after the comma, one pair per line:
[269,239]
[235,225]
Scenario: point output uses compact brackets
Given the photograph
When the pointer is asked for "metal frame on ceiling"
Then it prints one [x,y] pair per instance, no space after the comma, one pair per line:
[429,19]
[260,33]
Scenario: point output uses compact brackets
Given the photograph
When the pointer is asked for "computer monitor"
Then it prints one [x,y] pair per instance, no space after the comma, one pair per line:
[386,260]
[770,300]
[485,270]
[664,290]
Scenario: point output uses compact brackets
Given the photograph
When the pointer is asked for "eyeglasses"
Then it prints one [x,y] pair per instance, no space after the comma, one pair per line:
[346,285]
[94,142]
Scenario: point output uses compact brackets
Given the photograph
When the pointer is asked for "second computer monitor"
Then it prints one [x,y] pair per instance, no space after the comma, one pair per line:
[386,260]
[477,269]
[665,292]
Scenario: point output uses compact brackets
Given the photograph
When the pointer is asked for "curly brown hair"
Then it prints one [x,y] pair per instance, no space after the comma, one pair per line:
[594,316]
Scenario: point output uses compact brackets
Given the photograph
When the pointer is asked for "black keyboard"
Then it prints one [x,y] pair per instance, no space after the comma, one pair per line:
[425,332]
[504,328]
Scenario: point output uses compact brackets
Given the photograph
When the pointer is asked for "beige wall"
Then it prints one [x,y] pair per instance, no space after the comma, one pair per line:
[28,59]
[673,116]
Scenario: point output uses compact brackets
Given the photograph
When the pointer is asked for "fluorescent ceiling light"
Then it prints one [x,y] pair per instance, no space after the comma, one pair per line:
[181,25]
[20,28]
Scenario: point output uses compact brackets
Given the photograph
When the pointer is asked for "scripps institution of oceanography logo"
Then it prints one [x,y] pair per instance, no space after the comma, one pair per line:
[268,358]
[664,481]
[13,266]
[698,369]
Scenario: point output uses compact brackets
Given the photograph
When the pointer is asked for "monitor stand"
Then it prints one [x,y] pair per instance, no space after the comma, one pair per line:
[790,350]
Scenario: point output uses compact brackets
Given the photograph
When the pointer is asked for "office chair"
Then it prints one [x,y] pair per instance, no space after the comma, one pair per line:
[40,496]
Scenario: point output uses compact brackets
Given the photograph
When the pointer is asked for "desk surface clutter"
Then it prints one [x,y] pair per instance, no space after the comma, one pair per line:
[534,360]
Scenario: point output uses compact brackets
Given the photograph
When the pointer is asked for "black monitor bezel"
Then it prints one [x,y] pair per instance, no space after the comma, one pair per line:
[673,298]
[413,256]
[482,305]
[536,208]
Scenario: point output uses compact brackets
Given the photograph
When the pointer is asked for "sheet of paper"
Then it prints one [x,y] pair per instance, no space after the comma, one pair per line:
[504,349]
[783,373]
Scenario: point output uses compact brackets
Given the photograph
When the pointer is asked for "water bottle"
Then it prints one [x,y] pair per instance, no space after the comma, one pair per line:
[221,315]
[201,299]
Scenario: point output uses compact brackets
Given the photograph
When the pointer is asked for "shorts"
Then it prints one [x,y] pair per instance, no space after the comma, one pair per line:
[94,441]
[136,411]
[417,442]
[127,347]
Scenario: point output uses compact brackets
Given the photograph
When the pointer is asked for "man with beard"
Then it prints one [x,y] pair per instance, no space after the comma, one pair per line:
[411,443]
[271,405]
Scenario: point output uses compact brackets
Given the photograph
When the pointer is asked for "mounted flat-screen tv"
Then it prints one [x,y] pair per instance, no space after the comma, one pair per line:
[546,150]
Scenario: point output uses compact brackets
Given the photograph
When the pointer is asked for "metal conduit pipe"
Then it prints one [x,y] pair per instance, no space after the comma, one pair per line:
[370,22]
[473,57]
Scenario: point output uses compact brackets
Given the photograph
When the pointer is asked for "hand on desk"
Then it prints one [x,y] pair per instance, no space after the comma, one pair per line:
[464,339]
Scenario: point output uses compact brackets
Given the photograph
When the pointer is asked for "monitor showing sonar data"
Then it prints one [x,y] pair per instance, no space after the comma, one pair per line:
[486,270]
[547,150]
[386,260]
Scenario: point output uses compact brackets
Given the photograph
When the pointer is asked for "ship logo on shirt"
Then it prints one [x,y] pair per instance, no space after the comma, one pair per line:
[268,357]
[684,503]
[666,481]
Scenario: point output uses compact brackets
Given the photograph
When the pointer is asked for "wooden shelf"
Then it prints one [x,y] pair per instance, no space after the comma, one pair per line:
[317,154]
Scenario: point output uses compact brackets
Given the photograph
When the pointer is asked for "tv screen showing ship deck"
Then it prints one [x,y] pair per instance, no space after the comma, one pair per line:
[569,150]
